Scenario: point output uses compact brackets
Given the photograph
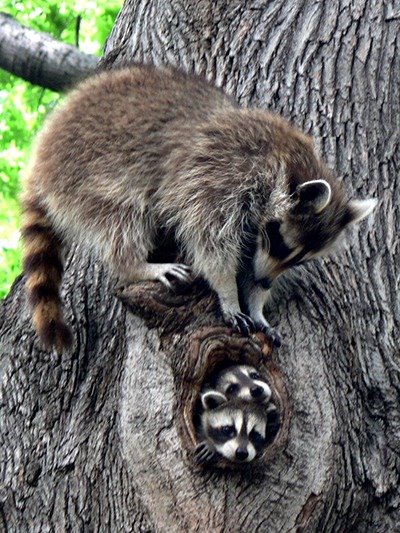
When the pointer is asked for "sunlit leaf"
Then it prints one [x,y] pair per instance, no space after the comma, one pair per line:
[23,107]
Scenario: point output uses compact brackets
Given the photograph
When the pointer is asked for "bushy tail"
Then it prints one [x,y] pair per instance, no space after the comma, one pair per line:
[43,270]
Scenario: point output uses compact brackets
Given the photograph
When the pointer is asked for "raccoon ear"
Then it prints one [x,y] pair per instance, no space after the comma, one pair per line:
[315,194]
[212,399]
[359,209]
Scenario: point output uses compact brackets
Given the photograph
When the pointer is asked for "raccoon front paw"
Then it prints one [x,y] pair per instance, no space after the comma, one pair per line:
[269,332]
[181,273]
[204,453]
[241,323]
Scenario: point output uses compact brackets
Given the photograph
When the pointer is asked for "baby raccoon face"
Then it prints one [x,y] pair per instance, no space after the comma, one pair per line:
[236,430]
[242,382]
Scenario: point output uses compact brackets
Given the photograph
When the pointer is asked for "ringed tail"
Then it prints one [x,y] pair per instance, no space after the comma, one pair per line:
[43,268]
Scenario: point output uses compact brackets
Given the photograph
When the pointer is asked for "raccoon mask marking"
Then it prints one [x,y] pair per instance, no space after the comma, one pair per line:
[242,382]
[235,430]
[310,228]
[315,223]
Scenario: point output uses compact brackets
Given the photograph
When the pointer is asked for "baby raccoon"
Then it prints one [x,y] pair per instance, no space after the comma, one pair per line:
[232,429]
[243,382]
[138,151]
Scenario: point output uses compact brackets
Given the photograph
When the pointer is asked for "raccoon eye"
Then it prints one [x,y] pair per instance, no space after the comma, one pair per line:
[233,387]
[254,375]
[256,438]
[228,431]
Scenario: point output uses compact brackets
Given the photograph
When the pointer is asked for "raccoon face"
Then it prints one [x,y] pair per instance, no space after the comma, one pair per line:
[310,229]
[242,382]
[236,430]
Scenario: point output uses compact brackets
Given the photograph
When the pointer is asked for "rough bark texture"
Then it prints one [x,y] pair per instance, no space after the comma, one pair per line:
[38,58]
[100,439]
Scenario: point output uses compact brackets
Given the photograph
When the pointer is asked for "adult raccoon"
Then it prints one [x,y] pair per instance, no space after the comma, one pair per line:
[138,149]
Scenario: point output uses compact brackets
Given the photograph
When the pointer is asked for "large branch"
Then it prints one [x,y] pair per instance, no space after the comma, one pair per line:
[38,58]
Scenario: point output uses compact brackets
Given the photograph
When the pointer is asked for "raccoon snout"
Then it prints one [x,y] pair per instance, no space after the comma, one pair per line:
[257,391]
[241,454]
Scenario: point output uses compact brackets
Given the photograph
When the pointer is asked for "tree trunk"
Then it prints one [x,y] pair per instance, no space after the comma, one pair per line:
[38,58]
[101,439]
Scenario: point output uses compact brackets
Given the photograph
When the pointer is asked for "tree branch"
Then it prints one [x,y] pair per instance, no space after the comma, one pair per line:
[38,58]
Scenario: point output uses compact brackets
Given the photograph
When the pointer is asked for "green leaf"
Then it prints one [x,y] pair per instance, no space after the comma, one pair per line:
[23,107]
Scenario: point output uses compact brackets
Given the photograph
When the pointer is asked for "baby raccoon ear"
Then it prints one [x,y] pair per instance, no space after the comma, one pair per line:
[359,209]
[315,195]
[212,399]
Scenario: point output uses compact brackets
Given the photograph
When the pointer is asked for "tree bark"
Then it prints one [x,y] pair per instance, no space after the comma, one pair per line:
[101,439]
[38,58]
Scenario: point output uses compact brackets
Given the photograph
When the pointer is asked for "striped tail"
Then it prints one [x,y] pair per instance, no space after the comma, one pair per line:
[43,270]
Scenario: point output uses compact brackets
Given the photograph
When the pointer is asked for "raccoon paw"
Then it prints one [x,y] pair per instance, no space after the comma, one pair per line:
[270,332]
[181,273]
[241,323]
[271,408]
[204,453]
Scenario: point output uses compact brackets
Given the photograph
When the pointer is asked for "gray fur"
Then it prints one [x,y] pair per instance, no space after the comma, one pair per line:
[139,149]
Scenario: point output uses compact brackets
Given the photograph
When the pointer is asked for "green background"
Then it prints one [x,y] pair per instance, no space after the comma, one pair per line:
[23,106]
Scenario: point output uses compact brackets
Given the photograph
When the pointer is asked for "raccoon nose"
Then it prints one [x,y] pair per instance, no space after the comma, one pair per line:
[256,391]
[241,454]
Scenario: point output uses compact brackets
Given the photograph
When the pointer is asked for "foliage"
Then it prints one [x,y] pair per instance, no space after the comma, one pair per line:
[24,106]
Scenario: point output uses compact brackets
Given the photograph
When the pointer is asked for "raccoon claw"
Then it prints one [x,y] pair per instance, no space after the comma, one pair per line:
[275,337]
[180,272]
[242,324]
[272,334]
[245,325]
[204,453]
